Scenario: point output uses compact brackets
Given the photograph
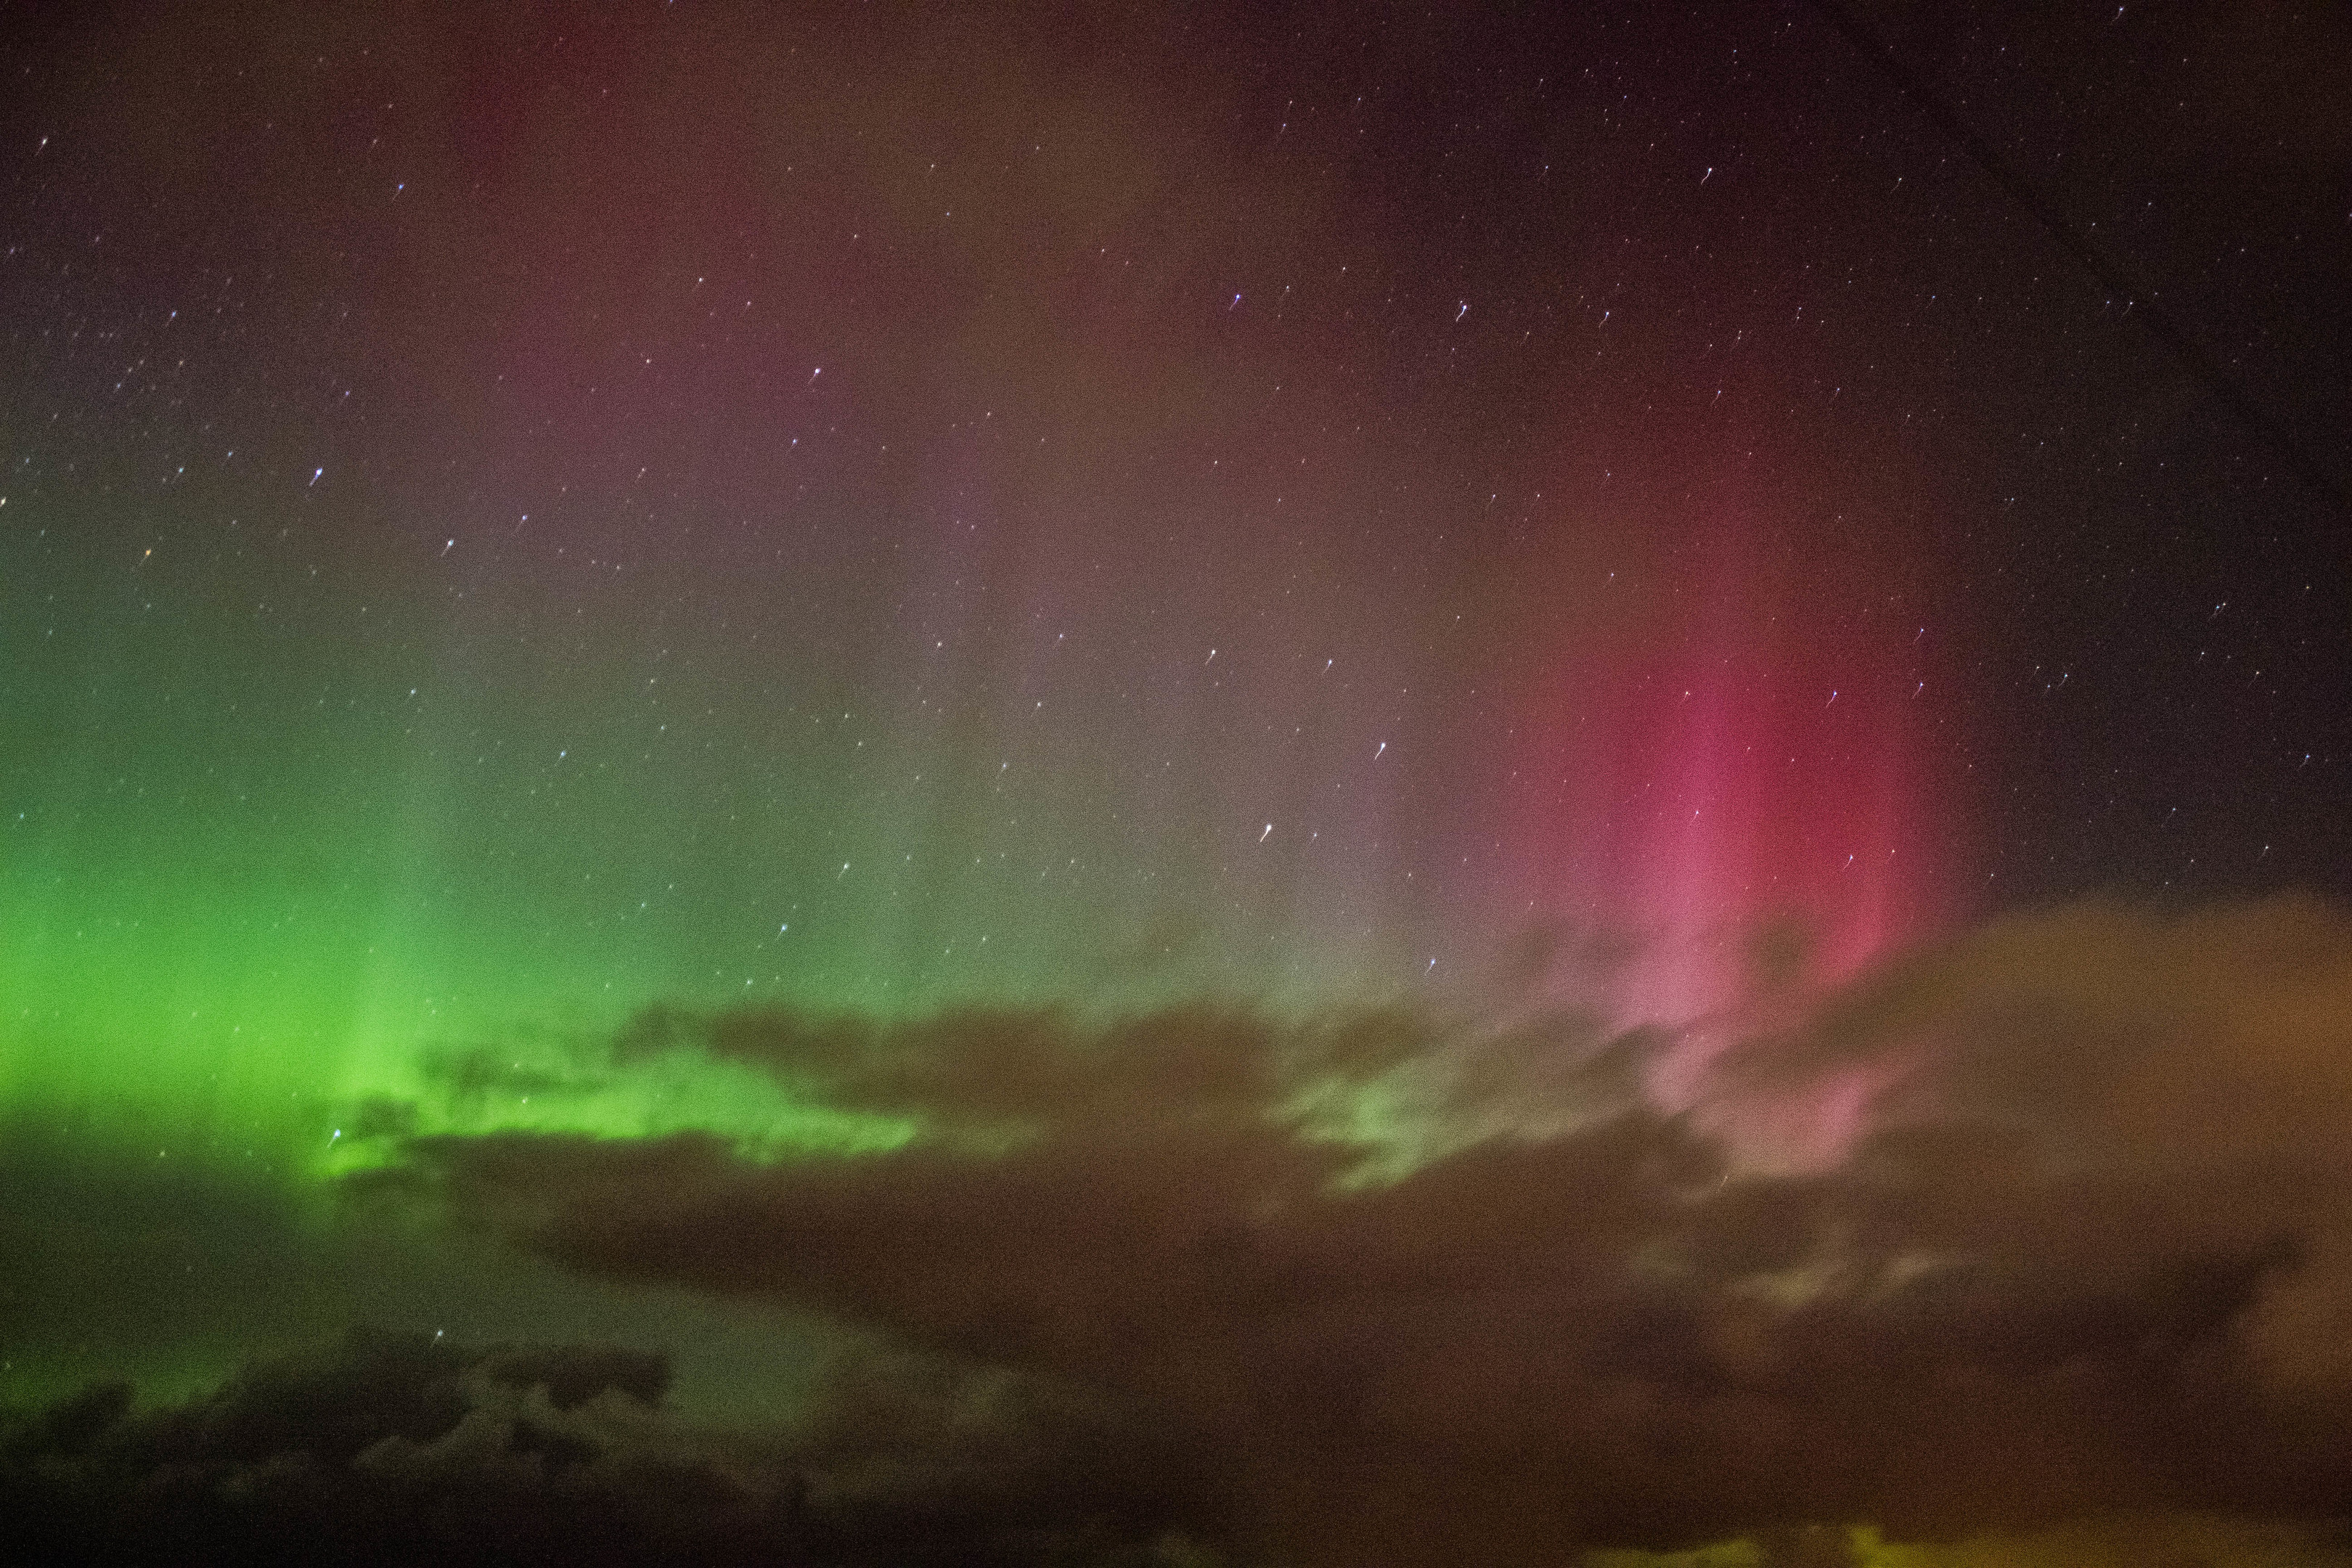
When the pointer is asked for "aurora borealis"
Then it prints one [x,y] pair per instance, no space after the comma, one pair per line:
[1357,689]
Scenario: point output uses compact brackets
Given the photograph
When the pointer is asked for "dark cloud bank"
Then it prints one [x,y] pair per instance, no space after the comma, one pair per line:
[407,1448]
[2091,1257]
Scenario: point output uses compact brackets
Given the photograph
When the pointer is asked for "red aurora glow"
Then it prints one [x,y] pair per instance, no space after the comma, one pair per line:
[1732,788]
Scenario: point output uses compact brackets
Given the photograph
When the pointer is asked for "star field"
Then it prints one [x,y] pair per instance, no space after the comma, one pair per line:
[524,534]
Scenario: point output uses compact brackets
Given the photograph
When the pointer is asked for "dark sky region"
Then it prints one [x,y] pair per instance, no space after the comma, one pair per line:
[1316,785]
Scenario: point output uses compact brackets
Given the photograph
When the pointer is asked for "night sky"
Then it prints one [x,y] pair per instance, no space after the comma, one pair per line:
[1199,711]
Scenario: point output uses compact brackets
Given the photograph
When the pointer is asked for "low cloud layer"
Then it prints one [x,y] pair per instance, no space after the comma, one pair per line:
[2091,1249]
[389,1450]
[411,1448]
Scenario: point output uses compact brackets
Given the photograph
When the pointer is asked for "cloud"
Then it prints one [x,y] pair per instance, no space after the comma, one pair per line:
[2087,1251]
[2097,1094]
[387,1448]
[399,1450]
